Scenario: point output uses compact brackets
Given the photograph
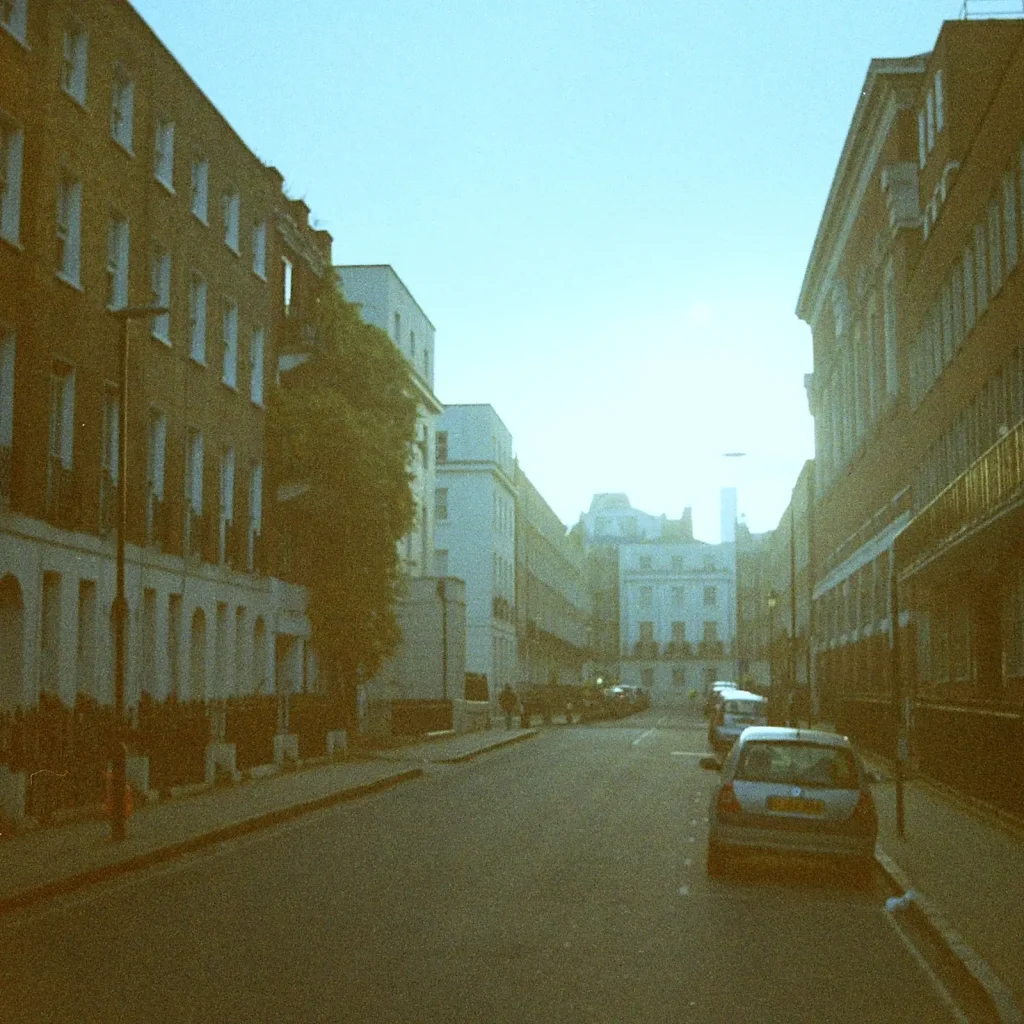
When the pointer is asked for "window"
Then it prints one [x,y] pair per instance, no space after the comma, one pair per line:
[1010,221]
[929,120]
[710,632]
[412,345]
[286,273]
[710,596]
[647,632]
[645,597]
[194,473]
[256,366]
[398,329]
[229,373]
[14,17]
[678,597]
[645,563]
[980,269]
[259,250]
[160,273]
[117,263]
[940,111]
[678,676]
[255,510]
[442,446]
[73,65]
[922,152]
[163,154]
[69,230]
[227,498]
[197,319]
[62,414]
[200,189]
[678,632]
[995,246]
[440,562]
[109,452]
[231,204]
[157,455]
[11,145]
[122,103]
[441,503]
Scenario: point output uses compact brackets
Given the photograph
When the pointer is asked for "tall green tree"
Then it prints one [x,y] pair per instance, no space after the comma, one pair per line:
[340,430]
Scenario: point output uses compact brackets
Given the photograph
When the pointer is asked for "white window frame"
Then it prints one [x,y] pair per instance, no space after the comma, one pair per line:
[111,438]
[940,105]
[160,280]
[286,284]
[259,249]
[227,485]
[257,346]
[194,473]
[229,336]
[199,200]
[929,120]
[255,509]
[75,63]
[232,207]
[117,262]
[122,108]
[69,230]
[62,413]
[440,504]
[17,21]
[197,302]
[12,145]
[156,456]
[922,152]
[163,153]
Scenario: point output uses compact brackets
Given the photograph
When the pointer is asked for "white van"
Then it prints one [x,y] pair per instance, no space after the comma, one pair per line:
[736,709]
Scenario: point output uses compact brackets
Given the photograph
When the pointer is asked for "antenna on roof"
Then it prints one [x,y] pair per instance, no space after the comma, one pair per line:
[976,10]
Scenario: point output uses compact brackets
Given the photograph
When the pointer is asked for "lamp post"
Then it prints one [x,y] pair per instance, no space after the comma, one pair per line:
[119,768]
[773,600]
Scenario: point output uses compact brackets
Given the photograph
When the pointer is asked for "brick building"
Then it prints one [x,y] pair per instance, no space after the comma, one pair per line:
[122,184]
[915,295]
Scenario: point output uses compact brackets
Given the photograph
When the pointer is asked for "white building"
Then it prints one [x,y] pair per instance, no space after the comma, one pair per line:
[475,534]
[677,615]
[612,520]
[385,302]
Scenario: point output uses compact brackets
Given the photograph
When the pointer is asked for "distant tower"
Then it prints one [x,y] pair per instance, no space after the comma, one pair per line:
[728,515]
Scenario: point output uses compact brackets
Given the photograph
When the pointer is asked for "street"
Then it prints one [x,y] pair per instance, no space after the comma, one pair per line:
[560,879]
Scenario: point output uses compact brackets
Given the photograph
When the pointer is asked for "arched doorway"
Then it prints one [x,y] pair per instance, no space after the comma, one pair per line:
[12,625]
[197,657]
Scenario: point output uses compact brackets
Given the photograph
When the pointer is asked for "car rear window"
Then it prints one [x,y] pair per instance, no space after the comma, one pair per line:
[743,707]
[798,764]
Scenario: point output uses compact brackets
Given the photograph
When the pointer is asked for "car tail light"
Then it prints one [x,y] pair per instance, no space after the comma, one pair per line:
[727,802]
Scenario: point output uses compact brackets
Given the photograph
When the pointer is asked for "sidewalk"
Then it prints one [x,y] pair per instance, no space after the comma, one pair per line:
[966,864]
[47,862]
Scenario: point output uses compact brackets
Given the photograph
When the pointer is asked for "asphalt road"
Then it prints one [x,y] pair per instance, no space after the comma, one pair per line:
[560,879]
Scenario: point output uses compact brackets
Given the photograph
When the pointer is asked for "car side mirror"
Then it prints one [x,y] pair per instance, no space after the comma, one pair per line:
[711,764]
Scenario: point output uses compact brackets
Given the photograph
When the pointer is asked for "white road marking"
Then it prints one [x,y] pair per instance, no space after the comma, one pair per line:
[640,739]
[684,890]
[688,753]
[941,991]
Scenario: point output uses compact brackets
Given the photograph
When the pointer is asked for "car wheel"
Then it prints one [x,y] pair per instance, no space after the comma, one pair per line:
[716,862]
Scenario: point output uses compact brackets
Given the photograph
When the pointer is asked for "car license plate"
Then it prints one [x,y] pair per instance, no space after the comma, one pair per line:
[795,805]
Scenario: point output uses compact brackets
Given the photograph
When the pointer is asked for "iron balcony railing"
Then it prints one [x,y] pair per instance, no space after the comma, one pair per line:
[987,487]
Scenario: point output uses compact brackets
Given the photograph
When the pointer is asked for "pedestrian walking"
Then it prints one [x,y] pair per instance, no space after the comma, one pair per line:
[508,702]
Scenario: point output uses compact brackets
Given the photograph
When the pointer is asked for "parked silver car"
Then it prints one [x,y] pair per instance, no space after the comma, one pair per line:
[734,711]
[792,791]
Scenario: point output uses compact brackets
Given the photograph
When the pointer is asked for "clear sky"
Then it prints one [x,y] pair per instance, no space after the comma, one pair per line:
[604,207]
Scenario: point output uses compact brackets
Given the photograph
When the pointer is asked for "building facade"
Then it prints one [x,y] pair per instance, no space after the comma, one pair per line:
[475,535]
[122,185]
[677,606]
[552,607]
[385,302]
[914,293]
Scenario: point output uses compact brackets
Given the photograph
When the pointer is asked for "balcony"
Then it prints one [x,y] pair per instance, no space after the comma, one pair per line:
[646,649]
[61,500]
[711,649]
[676,649]
[979,495]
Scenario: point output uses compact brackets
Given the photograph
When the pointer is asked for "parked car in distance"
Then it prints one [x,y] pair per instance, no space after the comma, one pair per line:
[793,791]
[735,711]
[712,696]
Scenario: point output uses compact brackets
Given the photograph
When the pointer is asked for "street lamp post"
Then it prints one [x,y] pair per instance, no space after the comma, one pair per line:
[119,767]
[773,600]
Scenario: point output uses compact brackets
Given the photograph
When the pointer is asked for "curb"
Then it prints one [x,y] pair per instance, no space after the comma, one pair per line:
[507,741]
[977,968]
[138,862]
